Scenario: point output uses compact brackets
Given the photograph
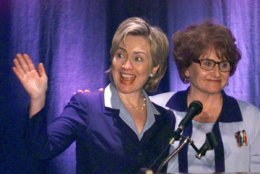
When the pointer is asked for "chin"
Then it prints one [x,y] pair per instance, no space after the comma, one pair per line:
[125,90]
[213,88]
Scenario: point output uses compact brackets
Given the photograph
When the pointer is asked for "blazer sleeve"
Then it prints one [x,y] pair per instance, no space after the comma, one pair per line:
[46,141]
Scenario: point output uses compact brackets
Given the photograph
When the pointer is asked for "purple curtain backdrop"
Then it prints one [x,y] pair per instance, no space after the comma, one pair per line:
[72,38]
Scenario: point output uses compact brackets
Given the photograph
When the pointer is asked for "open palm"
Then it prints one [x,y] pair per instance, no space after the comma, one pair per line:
[33,81]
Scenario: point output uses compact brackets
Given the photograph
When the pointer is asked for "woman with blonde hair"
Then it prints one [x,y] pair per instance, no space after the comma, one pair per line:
[118,130]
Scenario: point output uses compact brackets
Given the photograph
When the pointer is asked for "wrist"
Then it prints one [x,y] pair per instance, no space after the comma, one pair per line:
[36,104]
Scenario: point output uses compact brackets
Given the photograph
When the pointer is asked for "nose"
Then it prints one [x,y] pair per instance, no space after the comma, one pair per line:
[127,64]
[216,70]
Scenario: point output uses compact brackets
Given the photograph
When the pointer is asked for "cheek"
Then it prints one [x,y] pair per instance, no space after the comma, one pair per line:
[144,71]
[197,75]
[145,68]
[225,79]
[114,68]
[115,65]
[203,75]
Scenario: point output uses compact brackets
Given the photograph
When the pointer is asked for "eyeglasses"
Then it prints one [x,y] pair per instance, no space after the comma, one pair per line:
[208,64]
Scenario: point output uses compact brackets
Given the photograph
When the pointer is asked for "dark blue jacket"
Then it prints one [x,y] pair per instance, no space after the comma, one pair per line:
[104,142]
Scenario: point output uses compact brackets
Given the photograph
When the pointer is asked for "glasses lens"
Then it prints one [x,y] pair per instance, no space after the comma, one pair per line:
[224,66]
[207,64]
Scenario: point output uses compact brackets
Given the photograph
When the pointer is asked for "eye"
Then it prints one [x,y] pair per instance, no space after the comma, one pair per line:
[138,59]
[225,64]
[207,62]
[119,55]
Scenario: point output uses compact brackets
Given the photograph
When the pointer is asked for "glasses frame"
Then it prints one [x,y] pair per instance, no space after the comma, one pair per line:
[215,63]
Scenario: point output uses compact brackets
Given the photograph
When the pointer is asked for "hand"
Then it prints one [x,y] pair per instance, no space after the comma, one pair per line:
[34,82]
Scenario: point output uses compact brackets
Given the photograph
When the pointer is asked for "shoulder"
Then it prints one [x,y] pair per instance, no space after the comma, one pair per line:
[251,121]
[247,106]
[84,98]
[165,114]
[160,109]
[248,110]
[251,118]
[161,99]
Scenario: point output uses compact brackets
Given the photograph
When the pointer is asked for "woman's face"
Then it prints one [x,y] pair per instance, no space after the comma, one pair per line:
[132,64]
[209,82]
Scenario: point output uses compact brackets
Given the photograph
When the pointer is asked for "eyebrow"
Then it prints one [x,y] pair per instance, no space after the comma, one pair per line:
[135,52]
[121,49]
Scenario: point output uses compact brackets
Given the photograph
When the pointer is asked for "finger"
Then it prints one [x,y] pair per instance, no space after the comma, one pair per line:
[29,62]
[41,70]
[17,73]
[23,63]
[18,66]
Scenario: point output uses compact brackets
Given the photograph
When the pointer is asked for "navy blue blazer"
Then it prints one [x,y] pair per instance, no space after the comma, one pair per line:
[104,142]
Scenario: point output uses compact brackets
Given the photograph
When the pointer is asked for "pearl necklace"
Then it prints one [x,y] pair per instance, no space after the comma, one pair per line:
[142,107]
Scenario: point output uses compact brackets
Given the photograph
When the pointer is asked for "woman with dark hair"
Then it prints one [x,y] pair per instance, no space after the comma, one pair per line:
[206,56]
[118,130]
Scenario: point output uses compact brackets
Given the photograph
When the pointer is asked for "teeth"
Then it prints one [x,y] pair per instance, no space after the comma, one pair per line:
[127,75]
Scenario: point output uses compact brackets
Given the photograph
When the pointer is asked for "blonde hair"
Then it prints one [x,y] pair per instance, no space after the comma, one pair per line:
[158,42]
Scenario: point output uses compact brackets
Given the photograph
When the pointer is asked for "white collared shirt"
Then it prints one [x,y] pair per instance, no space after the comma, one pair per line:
[112,100]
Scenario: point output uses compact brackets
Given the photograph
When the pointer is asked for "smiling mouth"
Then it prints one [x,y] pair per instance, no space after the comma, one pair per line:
[127,79]
[214,80]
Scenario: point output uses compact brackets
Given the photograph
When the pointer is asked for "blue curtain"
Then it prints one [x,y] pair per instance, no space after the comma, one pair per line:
[72,38]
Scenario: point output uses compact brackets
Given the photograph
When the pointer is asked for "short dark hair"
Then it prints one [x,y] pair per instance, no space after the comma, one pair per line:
[195,40]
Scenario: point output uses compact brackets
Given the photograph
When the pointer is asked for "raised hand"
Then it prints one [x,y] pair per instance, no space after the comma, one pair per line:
[34,82]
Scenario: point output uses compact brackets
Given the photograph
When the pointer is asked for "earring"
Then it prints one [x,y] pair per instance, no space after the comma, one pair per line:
[151,75]
[186,79]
